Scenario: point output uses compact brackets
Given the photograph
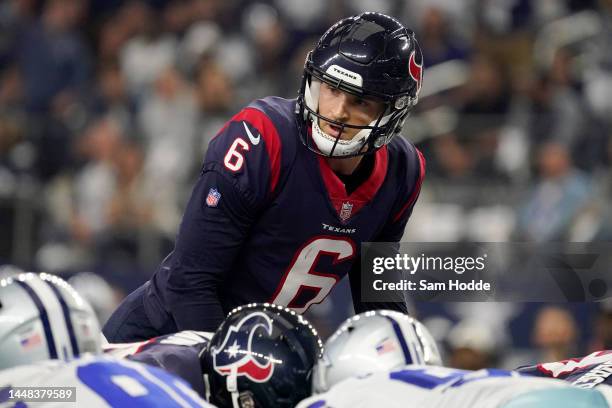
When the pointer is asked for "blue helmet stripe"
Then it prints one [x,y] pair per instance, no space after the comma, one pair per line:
[44,318]
[400,337]
[67,319]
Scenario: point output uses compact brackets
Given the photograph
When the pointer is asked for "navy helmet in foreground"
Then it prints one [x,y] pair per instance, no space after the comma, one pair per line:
[261,356]
[370,55]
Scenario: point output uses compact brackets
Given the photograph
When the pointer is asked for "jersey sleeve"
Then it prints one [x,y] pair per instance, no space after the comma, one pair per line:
[239,176]
[533,371]
[248,151]
[177,354]
[587,372]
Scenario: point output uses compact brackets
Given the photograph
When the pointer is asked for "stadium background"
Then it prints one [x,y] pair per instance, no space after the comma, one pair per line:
[107,106]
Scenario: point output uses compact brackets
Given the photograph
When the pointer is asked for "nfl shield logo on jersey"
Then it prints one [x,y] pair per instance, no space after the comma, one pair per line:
[213,197]
[346,210]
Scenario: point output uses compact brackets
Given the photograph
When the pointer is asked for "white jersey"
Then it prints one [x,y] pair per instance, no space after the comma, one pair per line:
[429,387]
[100,382]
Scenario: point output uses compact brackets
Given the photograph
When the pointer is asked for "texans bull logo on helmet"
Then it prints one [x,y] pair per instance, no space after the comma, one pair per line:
[416,70]
[236,354]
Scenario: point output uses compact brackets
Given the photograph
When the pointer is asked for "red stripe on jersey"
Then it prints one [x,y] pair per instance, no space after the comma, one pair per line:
[144,345]
[364,193]
[417,188]
[268,132]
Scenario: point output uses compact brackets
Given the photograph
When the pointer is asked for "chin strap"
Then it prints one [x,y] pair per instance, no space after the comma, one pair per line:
[232,387]
[206,387]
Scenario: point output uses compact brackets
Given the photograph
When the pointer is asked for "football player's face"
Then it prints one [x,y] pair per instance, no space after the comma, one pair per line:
[346,108]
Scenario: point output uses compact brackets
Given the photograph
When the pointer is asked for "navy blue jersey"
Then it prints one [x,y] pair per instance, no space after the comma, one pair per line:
[176,353]
[269,221]
[584,372]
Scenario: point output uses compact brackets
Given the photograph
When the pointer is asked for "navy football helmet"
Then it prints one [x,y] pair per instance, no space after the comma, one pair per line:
[370,55]
[262,355]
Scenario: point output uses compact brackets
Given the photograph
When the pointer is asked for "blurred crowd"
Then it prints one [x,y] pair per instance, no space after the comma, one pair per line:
[107,107]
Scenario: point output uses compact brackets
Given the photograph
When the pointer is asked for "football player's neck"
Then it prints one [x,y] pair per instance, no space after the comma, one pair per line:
[344,166]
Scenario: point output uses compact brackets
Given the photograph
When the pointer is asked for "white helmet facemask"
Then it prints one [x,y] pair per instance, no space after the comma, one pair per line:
[328,144]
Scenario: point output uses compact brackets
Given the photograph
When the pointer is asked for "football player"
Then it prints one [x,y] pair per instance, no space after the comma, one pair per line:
[416,386]
[262,355]
[96,382]
[373,341]
[378,359]
[49,338]
[289,189]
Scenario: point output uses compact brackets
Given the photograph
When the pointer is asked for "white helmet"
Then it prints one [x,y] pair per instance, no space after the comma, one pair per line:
[7,271]
[373,341]
[42,317]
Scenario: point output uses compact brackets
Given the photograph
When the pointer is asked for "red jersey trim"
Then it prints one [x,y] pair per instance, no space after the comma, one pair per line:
[417,188]
[364,193]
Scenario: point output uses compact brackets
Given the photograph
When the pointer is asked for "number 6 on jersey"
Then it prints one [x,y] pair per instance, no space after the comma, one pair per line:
[233,159]
[301,276]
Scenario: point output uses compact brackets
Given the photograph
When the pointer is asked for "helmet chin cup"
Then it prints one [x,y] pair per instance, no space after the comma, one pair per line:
[336,147]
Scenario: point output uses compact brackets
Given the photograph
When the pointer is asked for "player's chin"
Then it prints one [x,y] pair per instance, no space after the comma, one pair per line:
[347,135]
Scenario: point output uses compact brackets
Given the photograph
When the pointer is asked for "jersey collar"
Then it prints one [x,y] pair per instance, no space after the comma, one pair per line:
[347,205]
